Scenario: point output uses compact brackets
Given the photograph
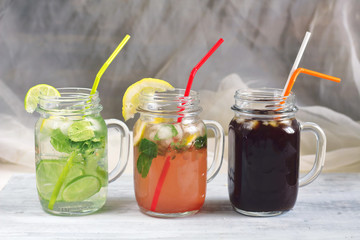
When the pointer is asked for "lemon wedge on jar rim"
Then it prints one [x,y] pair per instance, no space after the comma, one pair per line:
[32,96]
[131,100]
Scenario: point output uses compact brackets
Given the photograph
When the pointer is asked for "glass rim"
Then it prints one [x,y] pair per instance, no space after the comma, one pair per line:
[73,101]
[71,94]
[262,93]
[262,102]
[172,94]
[169,102]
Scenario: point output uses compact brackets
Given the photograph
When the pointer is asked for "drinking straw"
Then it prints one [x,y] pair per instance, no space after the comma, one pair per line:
[66,169]
[202,61]
[296,73]
[196,68]
[107,63]
[187,92]
[160,183]
[298,58]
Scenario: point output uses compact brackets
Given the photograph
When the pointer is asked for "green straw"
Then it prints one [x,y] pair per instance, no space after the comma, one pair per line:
[107,63]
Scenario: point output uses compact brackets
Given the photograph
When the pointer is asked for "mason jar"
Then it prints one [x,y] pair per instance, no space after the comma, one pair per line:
[71,152]
[170,154]
[264,152]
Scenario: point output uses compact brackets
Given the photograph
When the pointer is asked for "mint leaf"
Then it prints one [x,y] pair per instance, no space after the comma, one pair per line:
[148,150]
[174,131]
[60,141]
[143,164]
[178,145]
[200,142]
[80,131]
[148,147]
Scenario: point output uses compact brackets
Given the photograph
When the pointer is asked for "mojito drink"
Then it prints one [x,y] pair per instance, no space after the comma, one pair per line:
[71,164]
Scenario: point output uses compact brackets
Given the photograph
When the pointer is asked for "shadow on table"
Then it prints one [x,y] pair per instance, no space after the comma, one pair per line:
[218,206]
[122,205]
[119,205]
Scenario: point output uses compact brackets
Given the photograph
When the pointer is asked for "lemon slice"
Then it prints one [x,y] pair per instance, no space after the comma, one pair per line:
[139,129]
[32,96]
[157,120]
[131,96]
[190,139]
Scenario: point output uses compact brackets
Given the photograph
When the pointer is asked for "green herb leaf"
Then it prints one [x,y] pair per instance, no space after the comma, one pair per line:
[178,145]
[200,142]
[80,131]
[148,147]
[148,150]
[60,141]
[174,131]
[143,164]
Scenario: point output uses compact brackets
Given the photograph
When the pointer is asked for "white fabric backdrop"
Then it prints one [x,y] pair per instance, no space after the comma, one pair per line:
[64,43]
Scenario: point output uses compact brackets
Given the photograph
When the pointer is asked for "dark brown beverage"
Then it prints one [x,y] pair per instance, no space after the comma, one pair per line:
[263,164]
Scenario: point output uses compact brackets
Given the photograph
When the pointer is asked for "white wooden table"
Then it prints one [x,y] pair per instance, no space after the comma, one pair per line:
[329,208]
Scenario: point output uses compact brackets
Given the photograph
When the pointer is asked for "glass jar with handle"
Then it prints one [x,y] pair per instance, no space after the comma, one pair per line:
[170,154]
[264,152]
[71,152]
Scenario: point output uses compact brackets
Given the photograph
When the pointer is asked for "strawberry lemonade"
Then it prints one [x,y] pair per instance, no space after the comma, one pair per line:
[184,147]
[170,148]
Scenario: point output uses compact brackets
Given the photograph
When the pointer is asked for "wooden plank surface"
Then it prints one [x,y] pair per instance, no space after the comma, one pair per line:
[329,208]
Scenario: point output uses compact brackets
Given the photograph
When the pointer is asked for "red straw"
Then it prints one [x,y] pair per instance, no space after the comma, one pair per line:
[160,183]
[187,92]
[202,61]
[196,68]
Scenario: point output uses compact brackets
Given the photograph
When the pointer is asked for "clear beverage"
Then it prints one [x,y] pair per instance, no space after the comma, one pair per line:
[184,147]
[71,163]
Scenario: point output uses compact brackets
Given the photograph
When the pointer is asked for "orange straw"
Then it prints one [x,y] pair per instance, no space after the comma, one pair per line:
[309,72]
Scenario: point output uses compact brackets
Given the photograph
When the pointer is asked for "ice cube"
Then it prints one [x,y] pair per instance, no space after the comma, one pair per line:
[286,122]
[201,128]
[64,126]
[180,131]
[166,131]
[164,144]
[190,129]
[239,120]
[151,131]
[251,125]
[274,123]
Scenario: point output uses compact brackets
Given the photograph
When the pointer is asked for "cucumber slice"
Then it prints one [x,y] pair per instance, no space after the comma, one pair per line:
[47,174]
[75,171]
[81,188]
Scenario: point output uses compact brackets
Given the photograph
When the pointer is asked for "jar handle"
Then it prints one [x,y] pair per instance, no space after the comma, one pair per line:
[215,166]
[320,152]
[124,147]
